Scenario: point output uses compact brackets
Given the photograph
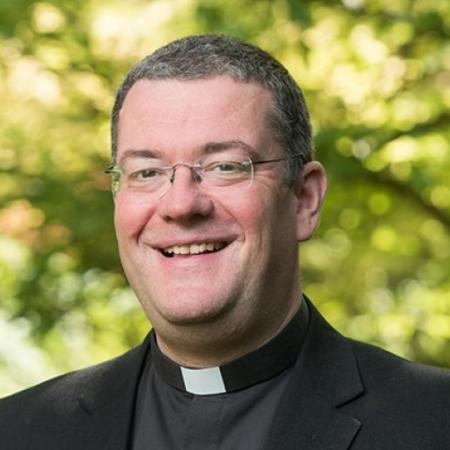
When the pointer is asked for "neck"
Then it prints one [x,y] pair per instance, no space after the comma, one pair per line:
[217,344]
[266,362]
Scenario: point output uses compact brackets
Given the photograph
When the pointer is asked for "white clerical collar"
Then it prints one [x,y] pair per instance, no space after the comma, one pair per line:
[203,381]
[262,364]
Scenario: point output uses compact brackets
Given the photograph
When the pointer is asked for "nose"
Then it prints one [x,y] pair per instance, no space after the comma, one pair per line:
[184,200]
[194,174]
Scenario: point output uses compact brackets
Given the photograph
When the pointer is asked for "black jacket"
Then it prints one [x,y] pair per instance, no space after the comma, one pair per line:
[343,394]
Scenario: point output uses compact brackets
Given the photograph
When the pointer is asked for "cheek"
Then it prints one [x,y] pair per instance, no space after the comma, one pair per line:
[271,220]
[130,216]
[252,219]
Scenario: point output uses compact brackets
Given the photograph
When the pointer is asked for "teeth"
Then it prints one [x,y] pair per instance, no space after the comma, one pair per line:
[194,249]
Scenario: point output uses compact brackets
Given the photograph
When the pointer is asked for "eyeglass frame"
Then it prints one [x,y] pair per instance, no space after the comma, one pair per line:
[114,169]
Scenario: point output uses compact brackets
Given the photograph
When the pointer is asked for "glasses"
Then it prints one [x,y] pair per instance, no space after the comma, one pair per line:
[212,172]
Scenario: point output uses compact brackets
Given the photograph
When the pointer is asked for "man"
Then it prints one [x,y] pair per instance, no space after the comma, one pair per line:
[214,185]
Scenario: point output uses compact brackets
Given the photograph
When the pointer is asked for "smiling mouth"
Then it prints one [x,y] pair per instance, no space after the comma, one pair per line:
[193,249]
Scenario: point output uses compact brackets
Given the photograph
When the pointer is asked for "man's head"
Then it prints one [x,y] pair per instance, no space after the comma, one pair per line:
[207,231]
[206,56]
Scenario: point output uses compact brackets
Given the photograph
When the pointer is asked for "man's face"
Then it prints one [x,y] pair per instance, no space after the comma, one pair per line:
[250,278]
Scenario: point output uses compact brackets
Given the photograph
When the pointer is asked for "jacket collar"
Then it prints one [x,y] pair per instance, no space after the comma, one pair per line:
[325,377]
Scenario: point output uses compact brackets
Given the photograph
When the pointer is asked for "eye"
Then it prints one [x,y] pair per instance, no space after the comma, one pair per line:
[146,174]
[226,167]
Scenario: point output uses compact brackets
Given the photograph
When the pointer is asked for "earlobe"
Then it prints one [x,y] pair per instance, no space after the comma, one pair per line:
[310,191]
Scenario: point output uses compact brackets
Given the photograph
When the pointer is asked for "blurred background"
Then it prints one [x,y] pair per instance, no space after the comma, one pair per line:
[376,75]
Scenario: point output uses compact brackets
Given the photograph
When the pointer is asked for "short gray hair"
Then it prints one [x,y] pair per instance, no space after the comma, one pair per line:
[205,56]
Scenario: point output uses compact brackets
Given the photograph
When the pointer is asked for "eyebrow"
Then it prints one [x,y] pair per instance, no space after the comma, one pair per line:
[208,148]
[140,153]
[212,147]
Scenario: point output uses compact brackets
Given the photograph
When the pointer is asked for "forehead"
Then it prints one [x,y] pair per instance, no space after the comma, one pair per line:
[172,113]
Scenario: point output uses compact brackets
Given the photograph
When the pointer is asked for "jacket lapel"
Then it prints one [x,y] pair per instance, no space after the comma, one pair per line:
[103,411]
[324,378]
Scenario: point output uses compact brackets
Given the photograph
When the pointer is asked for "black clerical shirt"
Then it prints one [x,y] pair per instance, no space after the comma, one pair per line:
[230,407]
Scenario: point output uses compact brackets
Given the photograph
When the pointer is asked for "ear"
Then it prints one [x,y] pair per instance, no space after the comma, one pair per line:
[310,191]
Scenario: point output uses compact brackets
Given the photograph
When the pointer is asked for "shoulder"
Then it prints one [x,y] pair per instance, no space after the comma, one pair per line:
[401,398]
[384,371]
[379,370]
[56,390]
[69,384]
[394,400]
[60,402]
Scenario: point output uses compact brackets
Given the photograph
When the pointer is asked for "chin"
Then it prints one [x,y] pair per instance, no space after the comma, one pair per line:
[188,311]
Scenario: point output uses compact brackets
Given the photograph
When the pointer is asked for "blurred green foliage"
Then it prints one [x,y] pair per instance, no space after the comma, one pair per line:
[376,74]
